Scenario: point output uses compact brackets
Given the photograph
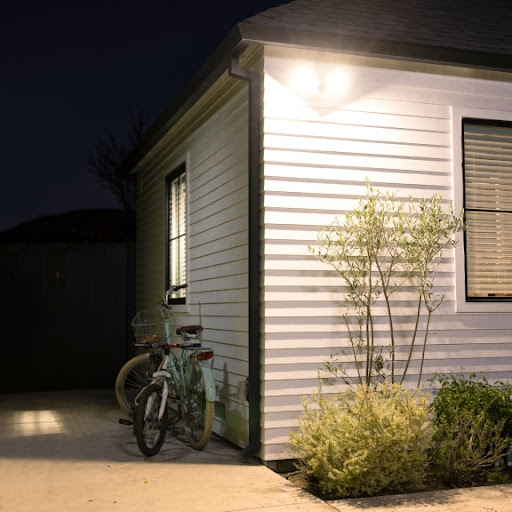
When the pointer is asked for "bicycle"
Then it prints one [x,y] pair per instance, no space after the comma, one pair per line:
[138,371]
[182,387]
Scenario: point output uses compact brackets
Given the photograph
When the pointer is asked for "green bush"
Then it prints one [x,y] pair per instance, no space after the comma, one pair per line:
[364,442]
[472,428]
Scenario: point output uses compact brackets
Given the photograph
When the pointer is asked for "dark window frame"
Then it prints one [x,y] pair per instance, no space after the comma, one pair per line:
[490,123]
[169,180]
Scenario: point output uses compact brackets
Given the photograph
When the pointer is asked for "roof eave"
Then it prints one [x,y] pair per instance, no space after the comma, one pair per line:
[208,73]
[374,47]
[247,33]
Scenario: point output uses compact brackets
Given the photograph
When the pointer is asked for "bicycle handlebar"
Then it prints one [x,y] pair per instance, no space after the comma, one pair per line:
[173,289]
[176,287]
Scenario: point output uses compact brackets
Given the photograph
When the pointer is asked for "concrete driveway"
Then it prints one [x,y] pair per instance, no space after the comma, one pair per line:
[66,451]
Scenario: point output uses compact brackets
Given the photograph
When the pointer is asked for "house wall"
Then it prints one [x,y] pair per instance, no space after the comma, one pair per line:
[212,139]
[398,128]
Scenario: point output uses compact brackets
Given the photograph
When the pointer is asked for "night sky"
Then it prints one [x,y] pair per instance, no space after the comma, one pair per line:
[73,72]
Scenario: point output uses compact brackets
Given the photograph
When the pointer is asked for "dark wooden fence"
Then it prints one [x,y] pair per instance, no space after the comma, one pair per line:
[66,311]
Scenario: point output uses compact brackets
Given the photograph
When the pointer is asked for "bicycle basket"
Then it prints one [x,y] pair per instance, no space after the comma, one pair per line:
[148,326]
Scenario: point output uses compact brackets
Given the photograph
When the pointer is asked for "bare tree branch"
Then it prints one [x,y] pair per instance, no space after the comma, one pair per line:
[106,158]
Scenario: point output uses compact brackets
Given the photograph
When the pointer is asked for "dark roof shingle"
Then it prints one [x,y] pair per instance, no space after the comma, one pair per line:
[483,26]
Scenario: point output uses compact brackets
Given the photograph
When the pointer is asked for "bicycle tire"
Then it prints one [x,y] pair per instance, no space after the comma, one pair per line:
[197,411]
[150,431]
[133,376]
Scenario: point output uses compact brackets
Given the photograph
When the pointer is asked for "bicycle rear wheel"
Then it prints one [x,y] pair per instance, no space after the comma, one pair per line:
[150,430]
[132,377]
[197,412]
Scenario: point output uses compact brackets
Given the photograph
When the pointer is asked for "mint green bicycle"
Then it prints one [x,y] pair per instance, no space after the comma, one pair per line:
[181,388]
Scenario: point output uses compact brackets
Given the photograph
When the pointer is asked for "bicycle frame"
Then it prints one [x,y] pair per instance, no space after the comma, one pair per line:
[177,369]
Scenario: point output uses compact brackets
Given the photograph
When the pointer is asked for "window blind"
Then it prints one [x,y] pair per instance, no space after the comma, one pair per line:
[488,206]
[177,233]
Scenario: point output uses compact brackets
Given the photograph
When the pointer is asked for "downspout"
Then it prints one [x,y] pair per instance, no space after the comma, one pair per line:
[253,394]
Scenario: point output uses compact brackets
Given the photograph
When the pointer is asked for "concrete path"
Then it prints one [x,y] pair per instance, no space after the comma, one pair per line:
[477,499]
[66,451]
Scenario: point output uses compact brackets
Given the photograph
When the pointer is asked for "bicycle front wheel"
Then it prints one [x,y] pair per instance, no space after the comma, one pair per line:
[150,430]
[197,411]
[132,377]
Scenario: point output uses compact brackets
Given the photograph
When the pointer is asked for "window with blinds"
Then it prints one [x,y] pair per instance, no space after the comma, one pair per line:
[487,164]
[177,223]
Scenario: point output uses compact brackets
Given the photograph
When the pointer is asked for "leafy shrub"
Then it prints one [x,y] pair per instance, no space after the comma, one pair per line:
[472,428]
[364,442]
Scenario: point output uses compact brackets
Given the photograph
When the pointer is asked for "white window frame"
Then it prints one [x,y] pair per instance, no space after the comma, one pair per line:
[463,305]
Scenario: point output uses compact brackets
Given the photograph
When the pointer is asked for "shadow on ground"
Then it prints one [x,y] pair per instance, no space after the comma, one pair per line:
[84,425]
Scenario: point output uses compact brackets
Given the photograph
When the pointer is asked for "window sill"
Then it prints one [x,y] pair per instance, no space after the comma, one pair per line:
[485,306]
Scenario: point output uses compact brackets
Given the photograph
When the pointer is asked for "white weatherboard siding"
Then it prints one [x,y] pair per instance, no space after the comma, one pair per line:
[218,256]
[215,153]
[394,127]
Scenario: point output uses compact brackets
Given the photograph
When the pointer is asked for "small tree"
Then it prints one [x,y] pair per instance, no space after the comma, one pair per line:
[380,246]
[106,159]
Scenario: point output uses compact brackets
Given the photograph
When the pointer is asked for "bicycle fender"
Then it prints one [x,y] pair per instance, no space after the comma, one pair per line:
[163,403]
[209,382]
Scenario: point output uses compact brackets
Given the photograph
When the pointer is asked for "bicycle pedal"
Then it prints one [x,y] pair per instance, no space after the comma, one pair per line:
[125,422]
